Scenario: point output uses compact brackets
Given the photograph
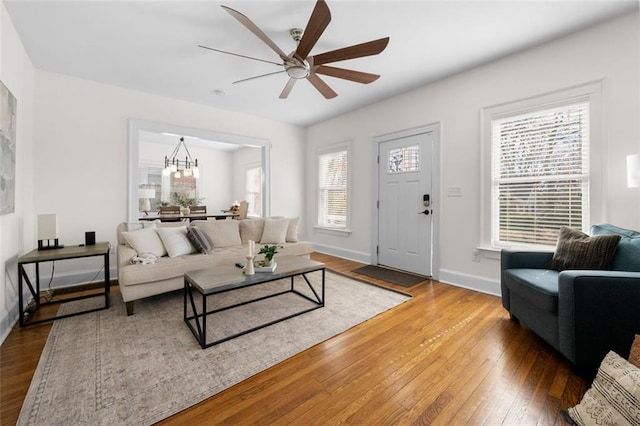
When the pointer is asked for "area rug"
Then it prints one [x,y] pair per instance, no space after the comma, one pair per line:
[107,368]
[390,275]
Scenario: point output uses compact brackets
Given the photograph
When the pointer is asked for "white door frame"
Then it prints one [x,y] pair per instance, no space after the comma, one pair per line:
[435,190]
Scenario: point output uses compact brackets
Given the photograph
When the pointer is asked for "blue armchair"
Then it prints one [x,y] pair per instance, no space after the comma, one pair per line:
[581,313]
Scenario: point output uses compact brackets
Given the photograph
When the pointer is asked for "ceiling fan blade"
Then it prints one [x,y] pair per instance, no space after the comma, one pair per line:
[242,56]
[257,76]
[287,88]
[322,87]
[318,22]
[356,51]
[357,76]
[257,31]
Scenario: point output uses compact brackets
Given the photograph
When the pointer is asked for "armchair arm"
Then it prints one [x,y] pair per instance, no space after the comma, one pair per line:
[598,311]
[511,259]
[125,254]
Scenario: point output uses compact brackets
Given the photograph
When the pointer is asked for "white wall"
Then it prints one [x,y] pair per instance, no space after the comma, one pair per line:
[16,229]
[609,51]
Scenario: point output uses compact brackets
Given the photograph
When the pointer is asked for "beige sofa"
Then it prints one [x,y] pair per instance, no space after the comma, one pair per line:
[153,257]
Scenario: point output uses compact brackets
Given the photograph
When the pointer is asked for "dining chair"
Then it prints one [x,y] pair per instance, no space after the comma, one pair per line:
[197,210]
[169,213]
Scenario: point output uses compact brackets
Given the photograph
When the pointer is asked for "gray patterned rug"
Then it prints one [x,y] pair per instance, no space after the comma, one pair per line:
[107,368]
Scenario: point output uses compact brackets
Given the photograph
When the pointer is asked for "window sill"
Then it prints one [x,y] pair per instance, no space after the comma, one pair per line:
[339,232]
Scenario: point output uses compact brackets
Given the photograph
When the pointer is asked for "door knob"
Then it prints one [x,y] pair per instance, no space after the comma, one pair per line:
[425,212]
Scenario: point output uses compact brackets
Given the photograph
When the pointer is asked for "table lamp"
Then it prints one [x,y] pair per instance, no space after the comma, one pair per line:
[145,194]
[48,232]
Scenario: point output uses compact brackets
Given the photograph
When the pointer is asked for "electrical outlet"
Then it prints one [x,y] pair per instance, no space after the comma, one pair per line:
[475,256]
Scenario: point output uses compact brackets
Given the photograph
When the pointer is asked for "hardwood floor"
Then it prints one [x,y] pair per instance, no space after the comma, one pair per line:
[448,356]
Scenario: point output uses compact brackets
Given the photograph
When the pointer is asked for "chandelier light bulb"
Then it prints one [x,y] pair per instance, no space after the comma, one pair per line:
[177,175]
[174,168]
[166,171]
[196,172]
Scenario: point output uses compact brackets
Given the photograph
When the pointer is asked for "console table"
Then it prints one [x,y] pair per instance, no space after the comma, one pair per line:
[69,252]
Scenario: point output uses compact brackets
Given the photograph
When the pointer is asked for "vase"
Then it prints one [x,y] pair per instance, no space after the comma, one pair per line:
[186,211]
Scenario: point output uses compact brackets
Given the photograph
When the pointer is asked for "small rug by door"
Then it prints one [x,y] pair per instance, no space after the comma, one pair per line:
[390,275]
[104,368]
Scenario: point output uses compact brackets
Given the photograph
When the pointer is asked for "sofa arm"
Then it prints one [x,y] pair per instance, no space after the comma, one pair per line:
[511,259]
[125,254]
[598,311]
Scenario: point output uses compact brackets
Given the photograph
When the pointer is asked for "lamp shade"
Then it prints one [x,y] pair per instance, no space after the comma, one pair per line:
[146,193]
[47,227]
[633,171]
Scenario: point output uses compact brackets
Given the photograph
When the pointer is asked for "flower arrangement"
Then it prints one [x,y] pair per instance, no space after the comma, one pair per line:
[185,200]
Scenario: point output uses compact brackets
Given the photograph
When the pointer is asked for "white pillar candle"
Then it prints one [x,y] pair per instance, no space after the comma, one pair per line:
[251,245]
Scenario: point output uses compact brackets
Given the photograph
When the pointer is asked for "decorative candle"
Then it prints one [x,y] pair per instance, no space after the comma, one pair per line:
[251,247]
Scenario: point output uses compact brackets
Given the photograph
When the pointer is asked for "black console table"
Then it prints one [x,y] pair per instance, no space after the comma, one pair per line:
[69,252]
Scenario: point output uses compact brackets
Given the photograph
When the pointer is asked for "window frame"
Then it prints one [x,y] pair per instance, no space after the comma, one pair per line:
[590,93]
[330,149]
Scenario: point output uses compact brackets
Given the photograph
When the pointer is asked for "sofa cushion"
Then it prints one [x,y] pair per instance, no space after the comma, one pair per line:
[275,231]
[292,230]
[634,354]
[251,229]
[199,239]
[577,250]
[175,241]
[145,240]
[539,286]
[223,233]
[614,396]
[627,257]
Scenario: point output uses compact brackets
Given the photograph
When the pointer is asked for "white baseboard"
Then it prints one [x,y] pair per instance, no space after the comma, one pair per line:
[356,256]
[470,282]
[8,318]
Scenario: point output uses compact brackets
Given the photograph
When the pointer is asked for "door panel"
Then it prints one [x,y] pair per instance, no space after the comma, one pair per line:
[405,235]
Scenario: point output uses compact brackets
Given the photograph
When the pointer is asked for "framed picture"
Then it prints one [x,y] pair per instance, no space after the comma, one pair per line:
[8,109]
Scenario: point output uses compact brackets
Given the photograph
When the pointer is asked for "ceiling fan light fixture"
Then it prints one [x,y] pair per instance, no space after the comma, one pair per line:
[297,71]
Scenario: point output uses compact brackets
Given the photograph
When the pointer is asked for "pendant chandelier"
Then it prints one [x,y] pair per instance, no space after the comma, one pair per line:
[186,167]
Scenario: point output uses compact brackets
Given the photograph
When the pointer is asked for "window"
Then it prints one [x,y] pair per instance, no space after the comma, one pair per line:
[253,191]
[540,174]
[333,168]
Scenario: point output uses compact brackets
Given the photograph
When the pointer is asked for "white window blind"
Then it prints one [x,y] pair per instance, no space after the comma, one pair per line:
[253,191]
[540,174]
[332,191]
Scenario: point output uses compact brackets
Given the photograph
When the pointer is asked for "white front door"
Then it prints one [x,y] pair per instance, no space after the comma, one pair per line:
[405,211]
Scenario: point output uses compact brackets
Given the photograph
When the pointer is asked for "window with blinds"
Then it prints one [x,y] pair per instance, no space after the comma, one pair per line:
[253,191]
[332,189]
[540,174]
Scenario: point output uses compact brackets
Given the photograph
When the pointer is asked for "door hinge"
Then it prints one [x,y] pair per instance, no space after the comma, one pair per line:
[378,204]
[378,159]
[377,249]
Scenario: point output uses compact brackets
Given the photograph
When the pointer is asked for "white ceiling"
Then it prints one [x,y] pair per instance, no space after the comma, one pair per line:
[151,46]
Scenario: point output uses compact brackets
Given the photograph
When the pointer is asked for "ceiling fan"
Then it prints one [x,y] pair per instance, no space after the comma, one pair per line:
[299,65]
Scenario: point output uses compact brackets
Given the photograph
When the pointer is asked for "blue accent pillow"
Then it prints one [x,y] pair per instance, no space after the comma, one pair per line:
[627,257]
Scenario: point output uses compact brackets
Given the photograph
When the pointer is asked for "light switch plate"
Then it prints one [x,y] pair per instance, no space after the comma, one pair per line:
[454,191]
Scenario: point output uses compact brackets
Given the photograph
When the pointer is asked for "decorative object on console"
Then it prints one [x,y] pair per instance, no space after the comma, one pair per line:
[188,167]
[90,238]
[145,194]
[48,232]
[633,171]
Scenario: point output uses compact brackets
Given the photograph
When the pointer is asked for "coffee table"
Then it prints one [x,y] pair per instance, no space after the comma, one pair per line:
[205,283]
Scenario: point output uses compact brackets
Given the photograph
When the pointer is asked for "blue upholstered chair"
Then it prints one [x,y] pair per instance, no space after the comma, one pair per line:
[582,313]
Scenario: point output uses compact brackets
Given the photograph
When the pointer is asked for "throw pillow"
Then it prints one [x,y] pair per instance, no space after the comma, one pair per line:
[614,396]
[577,250]
[251,230]
[292,230]
[275,231]
[175,241]
[222,233]
[145,240]
[200,240]
[634,355]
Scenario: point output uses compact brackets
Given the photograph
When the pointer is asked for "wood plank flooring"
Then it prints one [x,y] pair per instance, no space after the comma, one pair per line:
[449,356]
